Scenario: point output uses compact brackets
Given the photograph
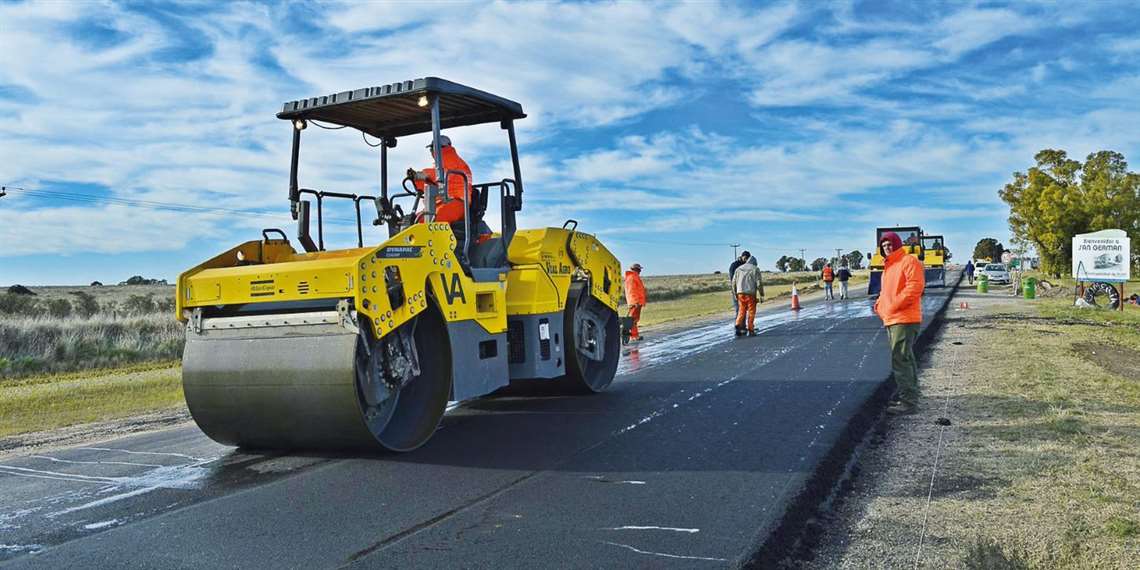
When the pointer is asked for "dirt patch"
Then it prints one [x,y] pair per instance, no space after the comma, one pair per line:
[1119,360]
[41,441]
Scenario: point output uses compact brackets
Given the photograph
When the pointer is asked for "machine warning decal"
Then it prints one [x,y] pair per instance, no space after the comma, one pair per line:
[455,291]
[401,252]
[263,288]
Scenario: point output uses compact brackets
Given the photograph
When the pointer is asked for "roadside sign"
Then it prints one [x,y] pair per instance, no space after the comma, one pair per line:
[1102,256]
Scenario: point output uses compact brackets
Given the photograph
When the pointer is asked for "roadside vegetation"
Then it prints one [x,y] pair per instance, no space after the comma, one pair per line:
[1054,426]
[64,329]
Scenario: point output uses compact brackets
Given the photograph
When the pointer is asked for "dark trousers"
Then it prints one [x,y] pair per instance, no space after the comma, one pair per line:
[904,365]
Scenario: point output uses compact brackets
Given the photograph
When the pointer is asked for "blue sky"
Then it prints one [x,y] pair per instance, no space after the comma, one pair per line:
[670,129]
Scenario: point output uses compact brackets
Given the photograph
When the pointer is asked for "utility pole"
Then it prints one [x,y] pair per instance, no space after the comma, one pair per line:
[803,257]
[734,246]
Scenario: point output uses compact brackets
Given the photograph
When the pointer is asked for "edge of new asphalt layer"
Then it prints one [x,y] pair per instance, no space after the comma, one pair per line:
[790,536]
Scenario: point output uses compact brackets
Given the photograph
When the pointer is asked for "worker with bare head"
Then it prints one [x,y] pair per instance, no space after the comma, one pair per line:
[458,190]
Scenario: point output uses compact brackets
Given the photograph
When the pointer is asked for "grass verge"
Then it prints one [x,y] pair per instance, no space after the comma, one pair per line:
[1045,472]
[50,402]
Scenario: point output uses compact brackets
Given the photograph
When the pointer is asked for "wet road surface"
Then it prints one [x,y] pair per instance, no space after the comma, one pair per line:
[690,459]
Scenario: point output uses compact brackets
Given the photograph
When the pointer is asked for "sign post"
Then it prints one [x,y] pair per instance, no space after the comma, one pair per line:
[1104,256]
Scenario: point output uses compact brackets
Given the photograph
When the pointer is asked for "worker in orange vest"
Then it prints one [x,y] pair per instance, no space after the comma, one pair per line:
[635,298]
[900,307]
[458,189]
[828,277]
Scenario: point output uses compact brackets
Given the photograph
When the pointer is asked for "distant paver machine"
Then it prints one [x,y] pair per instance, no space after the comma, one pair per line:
[364,347]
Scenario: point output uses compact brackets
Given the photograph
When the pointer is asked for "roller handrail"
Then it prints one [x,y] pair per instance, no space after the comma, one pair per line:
[466,206]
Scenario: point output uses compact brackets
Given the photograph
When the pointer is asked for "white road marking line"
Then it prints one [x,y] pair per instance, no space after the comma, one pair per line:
[663,554]
[128,451]
[670,528]
[60,460]
[105,501]
[56,474]
[101,524]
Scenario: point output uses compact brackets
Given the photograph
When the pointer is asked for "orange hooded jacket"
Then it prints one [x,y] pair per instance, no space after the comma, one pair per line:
[453,210]
[634,288]
[900,299]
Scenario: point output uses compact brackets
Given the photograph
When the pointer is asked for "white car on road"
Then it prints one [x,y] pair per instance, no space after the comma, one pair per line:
[996,273]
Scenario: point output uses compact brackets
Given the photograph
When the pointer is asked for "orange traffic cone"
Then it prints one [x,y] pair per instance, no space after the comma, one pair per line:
[795,298]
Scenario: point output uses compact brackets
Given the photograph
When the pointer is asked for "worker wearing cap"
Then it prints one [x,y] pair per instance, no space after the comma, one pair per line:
[900,307]
[458,189]
[635,298]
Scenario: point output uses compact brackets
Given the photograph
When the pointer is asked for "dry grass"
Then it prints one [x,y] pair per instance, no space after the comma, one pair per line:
[41,345]
[1062,434]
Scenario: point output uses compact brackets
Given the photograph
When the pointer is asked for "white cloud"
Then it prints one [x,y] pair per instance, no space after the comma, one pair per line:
[971,29]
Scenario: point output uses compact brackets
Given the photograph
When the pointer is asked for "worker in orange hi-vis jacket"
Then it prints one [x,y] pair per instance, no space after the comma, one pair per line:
[458,189]
[635,298]
[900,307]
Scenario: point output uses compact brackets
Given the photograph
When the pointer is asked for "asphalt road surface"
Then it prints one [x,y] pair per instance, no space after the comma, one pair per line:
[692,458]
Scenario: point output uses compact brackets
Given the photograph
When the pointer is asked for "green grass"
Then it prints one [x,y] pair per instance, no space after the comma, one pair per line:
[50,403]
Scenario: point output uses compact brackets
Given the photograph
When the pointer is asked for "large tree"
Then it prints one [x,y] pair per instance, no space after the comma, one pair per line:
[855,260]
[989,248]
[796,264]
[818,263]
[1060,197]
[782,263]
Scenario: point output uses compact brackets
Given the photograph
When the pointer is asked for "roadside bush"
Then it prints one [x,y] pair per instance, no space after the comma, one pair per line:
[85,304]
[59,308]
[165,306]
[18,305]
[139,305]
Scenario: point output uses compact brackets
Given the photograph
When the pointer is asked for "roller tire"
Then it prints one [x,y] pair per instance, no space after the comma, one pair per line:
[585,376]
[419,406]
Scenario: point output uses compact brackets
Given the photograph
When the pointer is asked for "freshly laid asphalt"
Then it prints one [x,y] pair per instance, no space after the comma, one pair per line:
[699,451]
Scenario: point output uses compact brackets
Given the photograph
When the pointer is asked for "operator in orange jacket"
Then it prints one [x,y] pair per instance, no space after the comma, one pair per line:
[458,189]
[635,298]
[900,307]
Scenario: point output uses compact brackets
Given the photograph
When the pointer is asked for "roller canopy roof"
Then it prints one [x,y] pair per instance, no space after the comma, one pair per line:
[393,110]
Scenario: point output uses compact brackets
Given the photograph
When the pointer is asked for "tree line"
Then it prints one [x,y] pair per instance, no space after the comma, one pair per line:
[1060,197]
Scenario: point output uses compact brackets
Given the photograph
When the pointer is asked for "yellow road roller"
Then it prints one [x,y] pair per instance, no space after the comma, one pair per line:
[290,345]
[912,243]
